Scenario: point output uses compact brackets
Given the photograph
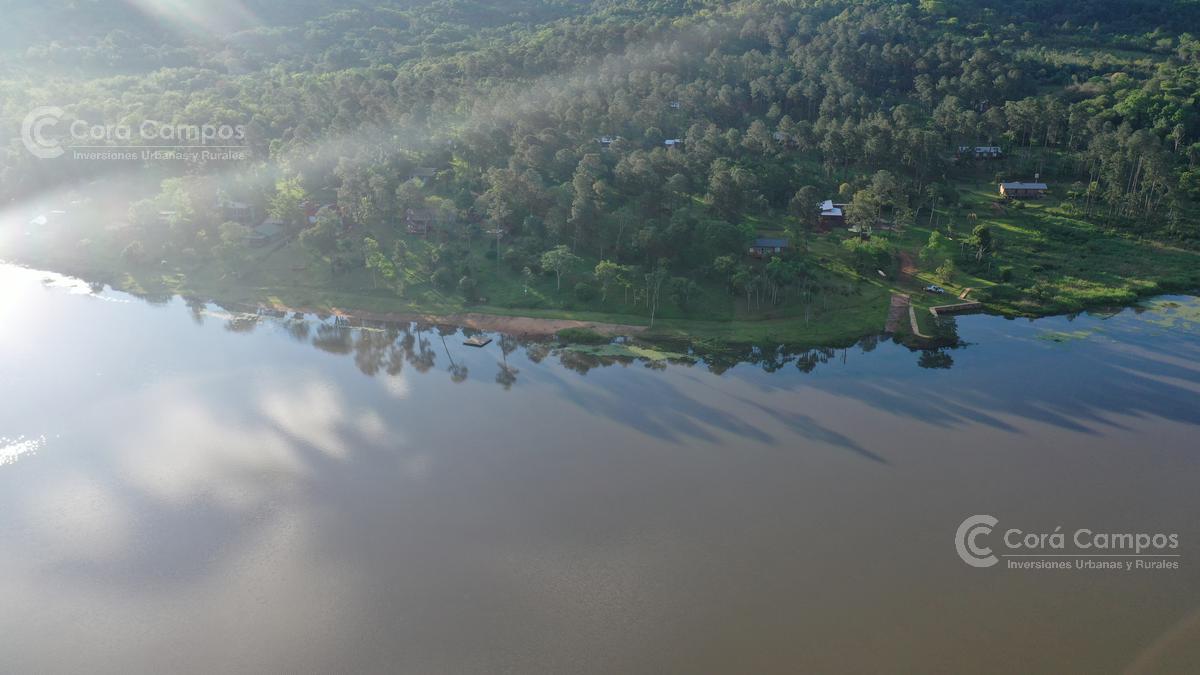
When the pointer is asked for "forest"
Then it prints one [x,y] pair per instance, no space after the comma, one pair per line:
[619,159]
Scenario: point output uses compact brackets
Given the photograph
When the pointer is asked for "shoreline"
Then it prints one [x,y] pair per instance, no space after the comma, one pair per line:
[512,322]
[786,330]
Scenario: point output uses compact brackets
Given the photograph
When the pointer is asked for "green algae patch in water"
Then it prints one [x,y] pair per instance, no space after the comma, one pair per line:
[632,351]
[1172,314]
[1061,336]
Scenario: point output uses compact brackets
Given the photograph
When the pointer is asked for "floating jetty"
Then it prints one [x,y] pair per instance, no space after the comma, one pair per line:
[477,341]
[959,308]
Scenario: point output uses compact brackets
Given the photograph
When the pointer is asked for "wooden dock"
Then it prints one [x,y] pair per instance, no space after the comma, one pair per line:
[959,308]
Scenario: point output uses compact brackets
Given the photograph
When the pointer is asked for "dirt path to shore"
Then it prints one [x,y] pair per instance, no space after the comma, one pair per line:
[897,312]
[908,269]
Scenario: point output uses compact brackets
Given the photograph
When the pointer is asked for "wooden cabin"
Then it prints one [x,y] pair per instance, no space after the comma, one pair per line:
[761,248]
[981,151]
[418,221]
[237,212]
[425,173]
[1023,190]
[269,231]
[832,215]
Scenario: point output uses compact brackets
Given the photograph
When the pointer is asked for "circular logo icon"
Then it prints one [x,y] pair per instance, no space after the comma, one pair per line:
[33,132]
[971,551]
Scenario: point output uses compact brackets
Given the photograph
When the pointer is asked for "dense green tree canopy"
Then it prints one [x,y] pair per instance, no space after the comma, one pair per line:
[651,135]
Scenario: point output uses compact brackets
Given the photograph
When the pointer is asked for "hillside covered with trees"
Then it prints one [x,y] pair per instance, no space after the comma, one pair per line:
[618,159]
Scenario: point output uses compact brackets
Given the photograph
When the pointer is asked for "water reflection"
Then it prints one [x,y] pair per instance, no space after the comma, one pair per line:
[936,358]
[323,496]
[506,377]
[385,347]
[1131,374]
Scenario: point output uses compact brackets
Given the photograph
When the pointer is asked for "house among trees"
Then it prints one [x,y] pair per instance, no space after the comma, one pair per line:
[675,105]
[310,211]
[784,138]
[313,209]
[270,231]
[606,141]
[673,143]
[419,220]
[331,207]
[237,212]
[832,215]
[1023,190]
[981,151]
[765,247]
[423,172]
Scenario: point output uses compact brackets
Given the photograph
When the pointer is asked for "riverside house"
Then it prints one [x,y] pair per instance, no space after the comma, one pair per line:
[762,248]
[1023,190]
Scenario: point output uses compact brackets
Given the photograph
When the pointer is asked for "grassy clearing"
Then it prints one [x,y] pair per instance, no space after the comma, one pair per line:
[1056,262]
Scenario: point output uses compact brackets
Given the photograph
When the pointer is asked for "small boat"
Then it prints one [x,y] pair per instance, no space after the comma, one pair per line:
[478,341]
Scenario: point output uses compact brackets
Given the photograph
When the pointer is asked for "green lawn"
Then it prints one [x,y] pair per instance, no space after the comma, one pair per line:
[1058,263]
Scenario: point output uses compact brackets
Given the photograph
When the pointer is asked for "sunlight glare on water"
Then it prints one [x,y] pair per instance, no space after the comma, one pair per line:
[13,450]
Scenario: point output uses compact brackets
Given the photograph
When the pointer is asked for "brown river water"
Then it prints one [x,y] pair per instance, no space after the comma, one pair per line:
[187,490]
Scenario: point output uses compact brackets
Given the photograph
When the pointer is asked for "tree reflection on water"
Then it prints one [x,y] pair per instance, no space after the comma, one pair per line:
[386,347]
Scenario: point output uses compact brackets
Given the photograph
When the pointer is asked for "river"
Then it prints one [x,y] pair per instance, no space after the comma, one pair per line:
[187,489]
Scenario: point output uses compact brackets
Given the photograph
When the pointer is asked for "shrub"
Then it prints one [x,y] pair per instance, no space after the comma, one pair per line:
[443,277]
[451,252]
[514,259]
[868,254]
[468,287]
[586,292]
[945,272]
